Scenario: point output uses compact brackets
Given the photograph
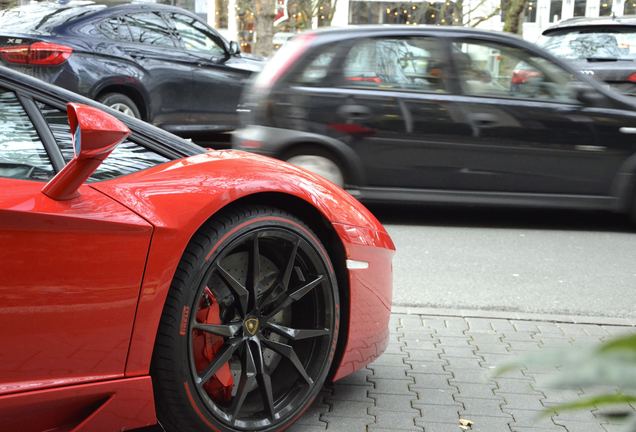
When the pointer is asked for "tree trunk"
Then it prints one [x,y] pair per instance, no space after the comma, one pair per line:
[265,12]
[513,14]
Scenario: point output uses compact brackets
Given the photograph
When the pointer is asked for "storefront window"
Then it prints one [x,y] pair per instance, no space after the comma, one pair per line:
[605,8]
[630,7]
[579,7]
[443,13]
[555,10]
[531,11]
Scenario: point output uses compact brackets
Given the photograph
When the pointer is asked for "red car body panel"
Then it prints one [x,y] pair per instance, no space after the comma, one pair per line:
[70,275]
[105,262]
[179,196]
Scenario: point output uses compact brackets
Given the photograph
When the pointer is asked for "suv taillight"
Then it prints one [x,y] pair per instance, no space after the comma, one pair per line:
[38,53]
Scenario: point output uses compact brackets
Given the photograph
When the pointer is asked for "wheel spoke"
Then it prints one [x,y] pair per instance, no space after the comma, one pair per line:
[265,382]
[254,271]
[297,334]
[228,330]
[288,352]
[241,293]
[290,264]
[222,358]
[246,382]
[295,296]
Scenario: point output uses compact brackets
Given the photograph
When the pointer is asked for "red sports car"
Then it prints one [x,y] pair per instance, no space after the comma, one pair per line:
[143,279]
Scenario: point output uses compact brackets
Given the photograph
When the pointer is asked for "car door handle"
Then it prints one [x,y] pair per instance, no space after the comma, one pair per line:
[484,119]
[627,130]
[354,112]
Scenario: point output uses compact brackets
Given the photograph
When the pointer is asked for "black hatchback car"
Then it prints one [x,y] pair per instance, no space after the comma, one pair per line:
[604,48]
[446,115]
[158,63]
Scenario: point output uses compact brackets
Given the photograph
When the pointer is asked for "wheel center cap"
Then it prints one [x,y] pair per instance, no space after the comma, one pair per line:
[251,325]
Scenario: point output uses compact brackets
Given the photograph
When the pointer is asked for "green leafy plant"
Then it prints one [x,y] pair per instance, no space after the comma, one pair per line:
[611,364]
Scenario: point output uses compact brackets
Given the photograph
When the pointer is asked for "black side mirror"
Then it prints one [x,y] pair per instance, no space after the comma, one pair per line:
[587,95]
[235,49]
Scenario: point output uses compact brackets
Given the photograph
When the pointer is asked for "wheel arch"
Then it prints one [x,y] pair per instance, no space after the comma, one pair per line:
[624,185]
[131,91]
[323,228]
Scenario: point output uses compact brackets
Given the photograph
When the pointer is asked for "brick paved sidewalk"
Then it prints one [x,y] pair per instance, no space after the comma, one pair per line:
[436,370]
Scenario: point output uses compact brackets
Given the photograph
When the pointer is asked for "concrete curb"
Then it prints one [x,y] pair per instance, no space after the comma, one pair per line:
[523,316]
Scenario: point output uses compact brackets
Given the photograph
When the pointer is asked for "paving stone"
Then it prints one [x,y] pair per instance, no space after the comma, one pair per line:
[464,363]
[479,325]
[434,322]
[580,426]
[502,325]
[440,427]
[489,424]
[474,390]
[555,428]
[519,336]
[435,397]
[479,339]
[427,367]
[505,385]
[525,326]
[447,341]
[486,407]
[523,345]
[387,386]
[472,375]
[394,420]
[424,355]
[498,359]
[430,381]
[390,360]
[458,352]
[420,344]
[491,348]
[550,329]
[530,418]
[399,403]
[299,427]
[373,428]
[350,409]
[357,378]
[347,424]
[521,401]
[438,414]
[343,392]
[391,372]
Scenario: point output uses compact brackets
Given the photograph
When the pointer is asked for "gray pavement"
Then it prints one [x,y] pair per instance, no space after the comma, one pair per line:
[573,263]
[438,371]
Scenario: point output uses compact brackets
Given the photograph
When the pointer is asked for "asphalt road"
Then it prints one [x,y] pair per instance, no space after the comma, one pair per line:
[561,262]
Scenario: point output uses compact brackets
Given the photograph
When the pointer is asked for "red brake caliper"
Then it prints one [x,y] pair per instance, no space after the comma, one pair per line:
[207,345]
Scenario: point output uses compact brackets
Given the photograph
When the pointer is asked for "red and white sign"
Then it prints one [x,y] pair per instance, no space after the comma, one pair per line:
[281,12]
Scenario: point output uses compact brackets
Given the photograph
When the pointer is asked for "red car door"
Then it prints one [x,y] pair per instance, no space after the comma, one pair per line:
[70,271]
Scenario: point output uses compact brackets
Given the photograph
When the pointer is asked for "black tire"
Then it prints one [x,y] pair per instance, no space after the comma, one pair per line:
[122,103]
[289,326]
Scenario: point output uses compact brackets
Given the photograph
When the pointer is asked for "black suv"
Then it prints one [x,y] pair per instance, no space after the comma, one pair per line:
[158,63]
[447,115]
[604,48]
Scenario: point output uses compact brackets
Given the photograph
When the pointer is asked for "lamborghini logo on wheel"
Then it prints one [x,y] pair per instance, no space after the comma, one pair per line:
[251,325]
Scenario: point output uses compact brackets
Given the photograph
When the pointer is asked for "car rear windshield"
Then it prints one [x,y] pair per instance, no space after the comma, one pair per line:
[612,43]
[42,18]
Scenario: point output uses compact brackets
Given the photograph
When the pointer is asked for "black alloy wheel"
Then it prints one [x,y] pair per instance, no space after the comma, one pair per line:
[260,328]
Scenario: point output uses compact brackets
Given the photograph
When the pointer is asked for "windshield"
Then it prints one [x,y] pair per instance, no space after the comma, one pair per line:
[42,18]
[595,44]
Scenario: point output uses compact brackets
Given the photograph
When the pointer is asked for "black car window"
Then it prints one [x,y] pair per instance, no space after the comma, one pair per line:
[115,28]
[497,70]
[315,73]
[413,64]
[150,29]
[128,157]
[195,36]
[22,154]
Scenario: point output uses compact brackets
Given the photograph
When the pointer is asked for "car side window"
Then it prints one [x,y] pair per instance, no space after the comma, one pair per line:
[412,64]
[496,70]
[115,28]
[22,154]
[149,28]
[317,70]
[128,157]
[195,36]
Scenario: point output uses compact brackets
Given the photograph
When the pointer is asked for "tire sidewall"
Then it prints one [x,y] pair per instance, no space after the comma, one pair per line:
[113,98]
[181,348]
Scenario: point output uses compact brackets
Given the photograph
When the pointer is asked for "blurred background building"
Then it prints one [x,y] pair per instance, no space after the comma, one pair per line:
[236,19]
